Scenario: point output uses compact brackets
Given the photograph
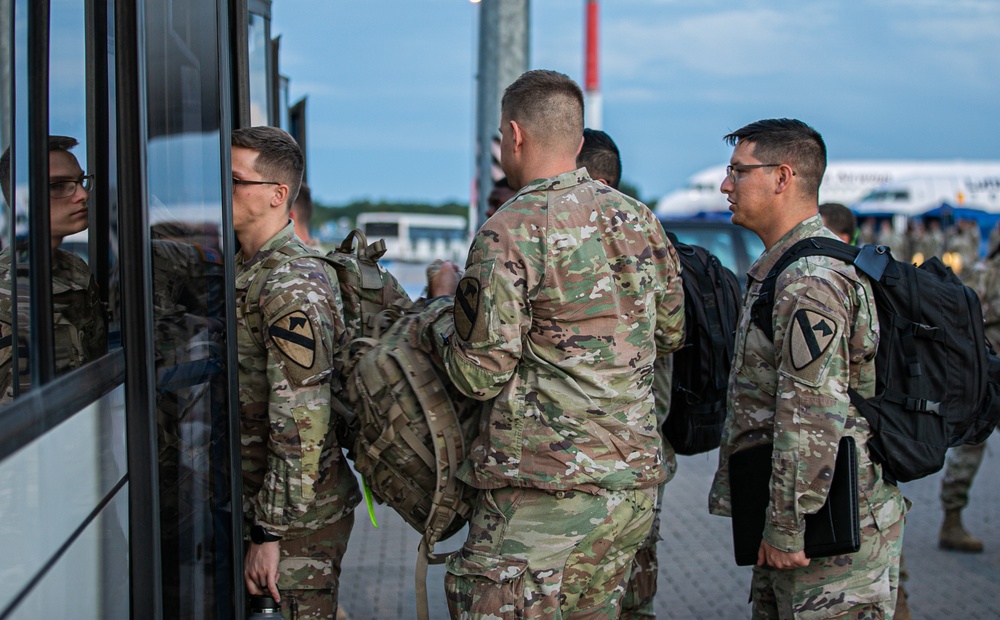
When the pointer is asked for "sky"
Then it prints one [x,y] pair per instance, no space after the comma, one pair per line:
[391,84]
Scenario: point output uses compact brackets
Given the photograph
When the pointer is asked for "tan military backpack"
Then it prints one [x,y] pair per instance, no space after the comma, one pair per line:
[405,428]
[414,431]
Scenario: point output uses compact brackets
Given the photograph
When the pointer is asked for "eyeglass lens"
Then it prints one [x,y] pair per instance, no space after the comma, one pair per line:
[64,189]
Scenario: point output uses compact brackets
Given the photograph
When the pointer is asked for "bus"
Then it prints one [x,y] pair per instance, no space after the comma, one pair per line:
[419,238]
[120,474]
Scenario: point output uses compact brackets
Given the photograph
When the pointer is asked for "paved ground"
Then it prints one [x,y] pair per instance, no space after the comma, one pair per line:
[698,579]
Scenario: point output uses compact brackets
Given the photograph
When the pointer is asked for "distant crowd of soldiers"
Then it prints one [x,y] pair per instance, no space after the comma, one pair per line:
[957,244]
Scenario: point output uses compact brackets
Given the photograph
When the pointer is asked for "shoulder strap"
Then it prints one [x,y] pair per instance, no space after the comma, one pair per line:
[251,304]
[871,260]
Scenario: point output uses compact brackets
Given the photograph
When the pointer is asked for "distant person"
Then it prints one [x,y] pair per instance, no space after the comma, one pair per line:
[840,220]
[791,394]
[897,241]
[78,315]
[600,156]
[963,244]
[926,240]
[301,214]
[867,231]
[964,461]
[299,493]
[501,193]
[557,327]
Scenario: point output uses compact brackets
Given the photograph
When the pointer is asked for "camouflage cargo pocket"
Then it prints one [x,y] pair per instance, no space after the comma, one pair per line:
[308,588]
[481,585]
[852,598]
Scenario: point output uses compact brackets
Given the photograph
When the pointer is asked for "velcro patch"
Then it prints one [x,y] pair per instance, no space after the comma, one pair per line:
[467,307]
[294,337]
[810,335]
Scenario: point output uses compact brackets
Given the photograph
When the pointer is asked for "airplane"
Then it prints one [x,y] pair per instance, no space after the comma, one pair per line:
[975,188]
[850,182]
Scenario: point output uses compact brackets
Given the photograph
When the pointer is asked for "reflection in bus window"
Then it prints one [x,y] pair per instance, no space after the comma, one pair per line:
[185,180]
[260,101]
[79,318]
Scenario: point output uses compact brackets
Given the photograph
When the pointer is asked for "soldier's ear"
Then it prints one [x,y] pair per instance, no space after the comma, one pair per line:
[280,196]
[518,135]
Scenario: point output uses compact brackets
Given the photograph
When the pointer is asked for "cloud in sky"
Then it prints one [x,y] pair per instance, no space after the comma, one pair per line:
[391,85]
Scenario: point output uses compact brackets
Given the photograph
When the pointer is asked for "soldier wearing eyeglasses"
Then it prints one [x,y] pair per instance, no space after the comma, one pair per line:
[790,394]
[298,492]
[79,318]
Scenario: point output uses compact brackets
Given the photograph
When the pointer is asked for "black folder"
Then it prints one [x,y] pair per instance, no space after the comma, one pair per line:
[834,530]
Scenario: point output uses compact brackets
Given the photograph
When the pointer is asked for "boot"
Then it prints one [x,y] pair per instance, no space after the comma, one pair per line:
[954,537]
[902,605]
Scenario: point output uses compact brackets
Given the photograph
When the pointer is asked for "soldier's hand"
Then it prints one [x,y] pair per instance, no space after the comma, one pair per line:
[442,278]
[769,556]
[260,571]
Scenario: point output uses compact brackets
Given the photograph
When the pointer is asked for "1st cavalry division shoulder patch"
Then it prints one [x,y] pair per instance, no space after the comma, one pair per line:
[811,334]
[466,307]
[293,335]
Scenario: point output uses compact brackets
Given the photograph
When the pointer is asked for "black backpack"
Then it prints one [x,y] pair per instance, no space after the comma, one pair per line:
[701,366]
[935,372]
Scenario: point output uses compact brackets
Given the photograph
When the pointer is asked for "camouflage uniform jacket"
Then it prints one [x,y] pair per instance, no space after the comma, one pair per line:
[571,290]
[295,478]
[79,318]
[793,393]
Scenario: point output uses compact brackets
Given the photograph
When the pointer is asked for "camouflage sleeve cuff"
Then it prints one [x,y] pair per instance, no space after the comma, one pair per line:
[273,530]
[784,540]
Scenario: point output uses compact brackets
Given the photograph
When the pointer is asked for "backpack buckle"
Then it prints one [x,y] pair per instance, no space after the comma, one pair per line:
[922,405]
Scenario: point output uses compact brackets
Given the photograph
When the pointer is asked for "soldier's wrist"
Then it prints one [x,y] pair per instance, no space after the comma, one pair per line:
[259,536]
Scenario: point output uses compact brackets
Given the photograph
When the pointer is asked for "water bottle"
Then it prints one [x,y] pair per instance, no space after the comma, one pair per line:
[263,608]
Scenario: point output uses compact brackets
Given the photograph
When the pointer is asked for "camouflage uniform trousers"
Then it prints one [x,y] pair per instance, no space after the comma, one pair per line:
[547,554]
[961,467]
[309,571]
[859,586]
[641,591]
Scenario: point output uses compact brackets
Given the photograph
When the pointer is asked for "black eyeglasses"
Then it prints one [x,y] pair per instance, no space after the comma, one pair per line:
[242,182]
[732,171]
[65,189]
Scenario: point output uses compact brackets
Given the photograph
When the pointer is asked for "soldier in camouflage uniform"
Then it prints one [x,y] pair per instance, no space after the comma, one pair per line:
[792,393]
[964,461]
[600,156]
[298,492]
[571,290]
[79,317]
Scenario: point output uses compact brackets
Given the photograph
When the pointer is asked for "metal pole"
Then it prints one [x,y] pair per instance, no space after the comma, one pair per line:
[503,56]
[591,69]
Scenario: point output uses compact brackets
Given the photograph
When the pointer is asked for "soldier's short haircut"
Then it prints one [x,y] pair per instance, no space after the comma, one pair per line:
[56,143]
[839,218]
[600,157]
[787,141]
[279,157]
[548,105]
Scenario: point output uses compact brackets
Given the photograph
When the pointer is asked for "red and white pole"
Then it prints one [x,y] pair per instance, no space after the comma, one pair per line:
[592,87]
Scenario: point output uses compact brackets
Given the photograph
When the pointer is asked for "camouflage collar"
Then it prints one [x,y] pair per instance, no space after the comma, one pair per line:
[809,227]
[565,180]
[282,237]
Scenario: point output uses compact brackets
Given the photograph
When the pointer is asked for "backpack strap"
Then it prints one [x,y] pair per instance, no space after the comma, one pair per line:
[447,499]
[250,309]
[871,260]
